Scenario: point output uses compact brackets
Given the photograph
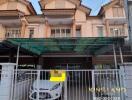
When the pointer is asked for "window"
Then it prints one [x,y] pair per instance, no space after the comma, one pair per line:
[118,31]
[52,32]
[57,34]
[100,31]
[68,32]
[118,12]
[78,31]
[31,32]
[12,33]
[63,32]
[60,32]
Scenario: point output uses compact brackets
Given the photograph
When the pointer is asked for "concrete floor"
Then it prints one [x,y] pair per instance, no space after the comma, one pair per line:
[78,92]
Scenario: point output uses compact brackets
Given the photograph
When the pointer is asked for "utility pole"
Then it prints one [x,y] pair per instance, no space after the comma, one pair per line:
[128,10]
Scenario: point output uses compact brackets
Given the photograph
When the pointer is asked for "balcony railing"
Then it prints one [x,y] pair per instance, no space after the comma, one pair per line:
[12,35]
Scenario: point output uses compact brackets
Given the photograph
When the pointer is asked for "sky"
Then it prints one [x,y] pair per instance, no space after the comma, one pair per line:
[93,4]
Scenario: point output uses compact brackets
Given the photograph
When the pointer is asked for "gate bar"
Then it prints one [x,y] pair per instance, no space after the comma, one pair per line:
[65,89]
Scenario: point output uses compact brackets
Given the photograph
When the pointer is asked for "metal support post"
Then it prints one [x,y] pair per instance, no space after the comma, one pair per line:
[115,58]
[121,55]
[17,61]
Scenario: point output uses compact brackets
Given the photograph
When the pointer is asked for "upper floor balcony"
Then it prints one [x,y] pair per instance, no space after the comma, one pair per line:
[11,23]
[10,18]
[116,15]
[59,12]
[116,20]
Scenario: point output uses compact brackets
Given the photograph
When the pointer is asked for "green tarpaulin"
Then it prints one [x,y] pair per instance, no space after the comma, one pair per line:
[41,46]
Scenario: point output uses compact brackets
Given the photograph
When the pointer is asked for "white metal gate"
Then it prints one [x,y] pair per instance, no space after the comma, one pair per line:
[127,70]
[79,85]
[108,85]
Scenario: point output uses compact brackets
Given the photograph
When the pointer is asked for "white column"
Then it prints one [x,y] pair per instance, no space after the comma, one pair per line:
[6,82]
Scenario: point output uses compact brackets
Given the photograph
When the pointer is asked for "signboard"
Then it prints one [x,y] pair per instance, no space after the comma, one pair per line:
[58,75]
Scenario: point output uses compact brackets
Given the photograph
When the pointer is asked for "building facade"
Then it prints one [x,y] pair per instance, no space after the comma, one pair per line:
[64,36]
[61,18]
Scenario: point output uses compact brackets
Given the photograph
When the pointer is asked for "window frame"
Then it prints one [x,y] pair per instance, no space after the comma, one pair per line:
[60,33]
[78,31]
[102,34]
[31,32]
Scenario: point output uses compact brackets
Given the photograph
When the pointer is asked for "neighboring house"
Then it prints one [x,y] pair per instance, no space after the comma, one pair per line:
[114,17]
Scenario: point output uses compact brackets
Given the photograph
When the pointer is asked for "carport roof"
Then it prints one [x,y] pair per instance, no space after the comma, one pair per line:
[89,45]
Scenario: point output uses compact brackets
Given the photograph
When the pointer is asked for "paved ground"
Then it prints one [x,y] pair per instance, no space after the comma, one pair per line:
[78,92]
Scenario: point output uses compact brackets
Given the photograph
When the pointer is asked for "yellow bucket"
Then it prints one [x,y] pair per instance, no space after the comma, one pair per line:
[57,75]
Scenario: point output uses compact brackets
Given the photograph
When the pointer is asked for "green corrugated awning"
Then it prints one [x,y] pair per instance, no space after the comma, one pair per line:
[42,46]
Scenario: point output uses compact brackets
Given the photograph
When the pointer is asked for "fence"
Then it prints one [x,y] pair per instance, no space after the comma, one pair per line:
[79,85]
